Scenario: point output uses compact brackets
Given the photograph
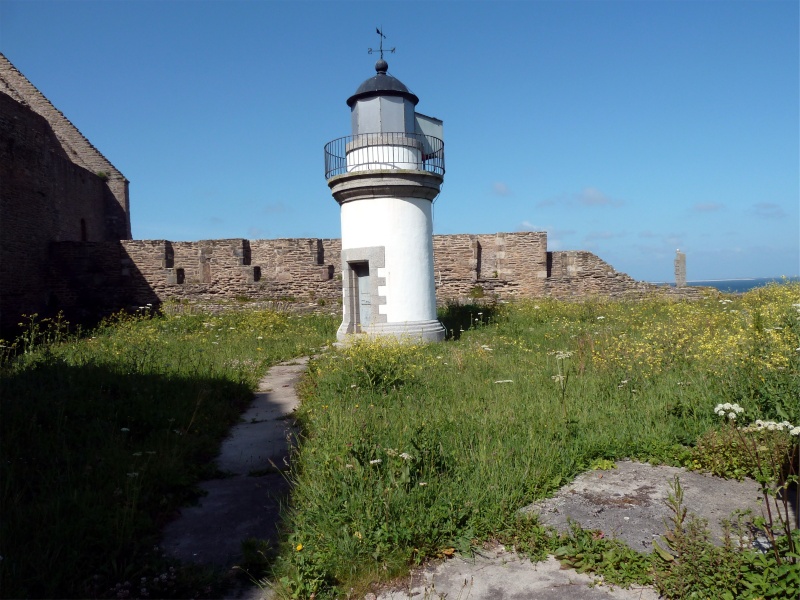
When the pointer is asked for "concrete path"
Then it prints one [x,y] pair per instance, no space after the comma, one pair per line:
[245,503]
[501,575]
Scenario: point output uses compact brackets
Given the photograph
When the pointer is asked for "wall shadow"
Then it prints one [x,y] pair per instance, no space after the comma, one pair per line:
[97,460]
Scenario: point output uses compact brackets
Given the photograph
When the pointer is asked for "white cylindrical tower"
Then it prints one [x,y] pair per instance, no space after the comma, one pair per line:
[385,177]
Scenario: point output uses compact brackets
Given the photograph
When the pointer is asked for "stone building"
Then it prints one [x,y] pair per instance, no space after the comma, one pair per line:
[54,187]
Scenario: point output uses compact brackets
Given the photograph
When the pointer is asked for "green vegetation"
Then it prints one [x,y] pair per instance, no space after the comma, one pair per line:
[407,452]
[103,437]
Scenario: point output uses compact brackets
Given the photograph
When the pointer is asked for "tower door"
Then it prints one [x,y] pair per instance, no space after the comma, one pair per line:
[361,271]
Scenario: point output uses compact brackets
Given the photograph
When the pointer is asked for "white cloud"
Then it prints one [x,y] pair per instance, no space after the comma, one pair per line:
[276,207]
[707,207]
[500,189]
[590,196]
[769,210]
[594,197]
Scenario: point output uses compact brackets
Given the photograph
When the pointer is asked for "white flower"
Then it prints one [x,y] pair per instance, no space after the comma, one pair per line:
[422,484]
[731,415]
[376,461]
[795,431]
[600,318]
[406,456]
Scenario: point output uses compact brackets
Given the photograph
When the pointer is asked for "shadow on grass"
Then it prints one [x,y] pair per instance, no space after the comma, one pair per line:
[458,318]
[95,461]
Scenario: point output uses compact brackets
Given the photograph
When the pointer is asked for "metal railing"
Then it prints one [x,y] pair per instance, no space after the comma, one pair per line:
[384,151]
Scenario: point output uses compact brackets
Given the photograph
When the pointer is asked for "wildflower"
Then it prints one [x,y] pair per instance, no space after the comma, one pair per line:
[358,535]
[732,416]
[405,456]
[795,431]
[600,318]
[298,547]
[422,484]
[349,466]
[376,461]
[558,378]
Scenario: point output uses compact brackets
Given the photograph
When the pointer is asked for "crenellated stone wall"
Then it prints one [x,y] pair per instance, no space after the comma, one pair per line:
[106,276]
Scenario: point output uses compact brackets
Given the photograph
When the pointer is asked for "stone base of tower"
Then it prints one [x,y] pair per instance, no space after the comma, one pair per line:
[411,332]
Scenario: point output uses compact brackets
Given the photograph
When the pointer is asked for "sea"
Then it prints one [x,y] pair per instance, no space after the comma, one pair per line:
[737,286]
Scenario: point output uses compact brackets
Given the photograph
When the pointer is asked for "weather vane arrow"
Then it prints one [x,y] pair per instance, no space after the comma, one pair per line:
[380,49]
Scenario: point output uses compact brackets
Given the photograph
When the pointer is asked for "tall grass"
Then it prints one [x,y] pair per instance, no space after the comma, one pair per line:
[408,450]
[103,437]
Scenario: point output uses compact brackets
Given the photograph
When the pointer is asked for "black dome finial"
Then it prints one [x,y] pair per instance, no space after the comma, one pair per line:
[381,66]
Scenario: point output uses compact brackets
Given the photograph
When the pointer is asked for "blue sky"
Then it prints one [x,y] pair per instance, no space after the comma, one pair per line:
[628,129]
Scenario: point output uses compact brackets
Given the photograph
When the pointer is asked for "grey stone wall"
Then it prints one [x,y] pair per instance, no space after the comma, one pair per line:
[104,276]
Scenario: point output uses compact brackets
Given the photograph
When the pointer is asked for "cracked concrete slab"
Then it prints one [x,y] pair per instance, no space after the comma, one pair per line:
[629,502]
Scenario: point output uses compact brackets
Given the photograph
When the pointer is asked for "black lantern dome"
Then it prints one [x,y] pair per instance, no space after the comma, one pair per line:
[382,84]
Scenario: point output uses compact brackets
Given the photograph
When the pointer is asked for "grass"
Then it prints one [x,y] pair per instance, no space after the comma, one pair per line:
[104,436]
[407,452]
[410,450]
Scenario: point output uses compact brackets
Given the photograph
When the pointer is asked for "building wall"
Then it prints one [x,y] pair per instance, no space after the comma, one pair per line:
[54,187]
[86,278]
[74,146]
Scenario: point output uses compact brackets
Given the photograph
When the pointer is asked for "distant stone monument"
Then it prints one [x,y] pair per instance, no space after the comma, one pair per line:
[680,269]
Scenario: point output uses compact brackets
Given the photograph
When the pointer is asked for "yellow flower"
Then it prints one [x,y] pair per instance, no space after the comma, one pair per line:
[299,547]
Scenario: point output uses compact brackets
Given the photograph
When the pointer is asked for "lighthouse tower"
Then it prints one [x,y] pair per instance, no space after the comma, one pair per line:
[385,177]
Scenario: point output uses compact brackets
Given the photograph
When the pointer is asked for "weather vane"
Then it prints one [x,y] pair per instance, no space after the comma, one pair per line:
[380,49]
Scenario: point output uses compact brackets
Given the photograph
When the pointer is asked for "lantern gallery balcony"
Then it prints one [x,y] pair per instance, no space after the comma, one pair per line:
[386,151]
